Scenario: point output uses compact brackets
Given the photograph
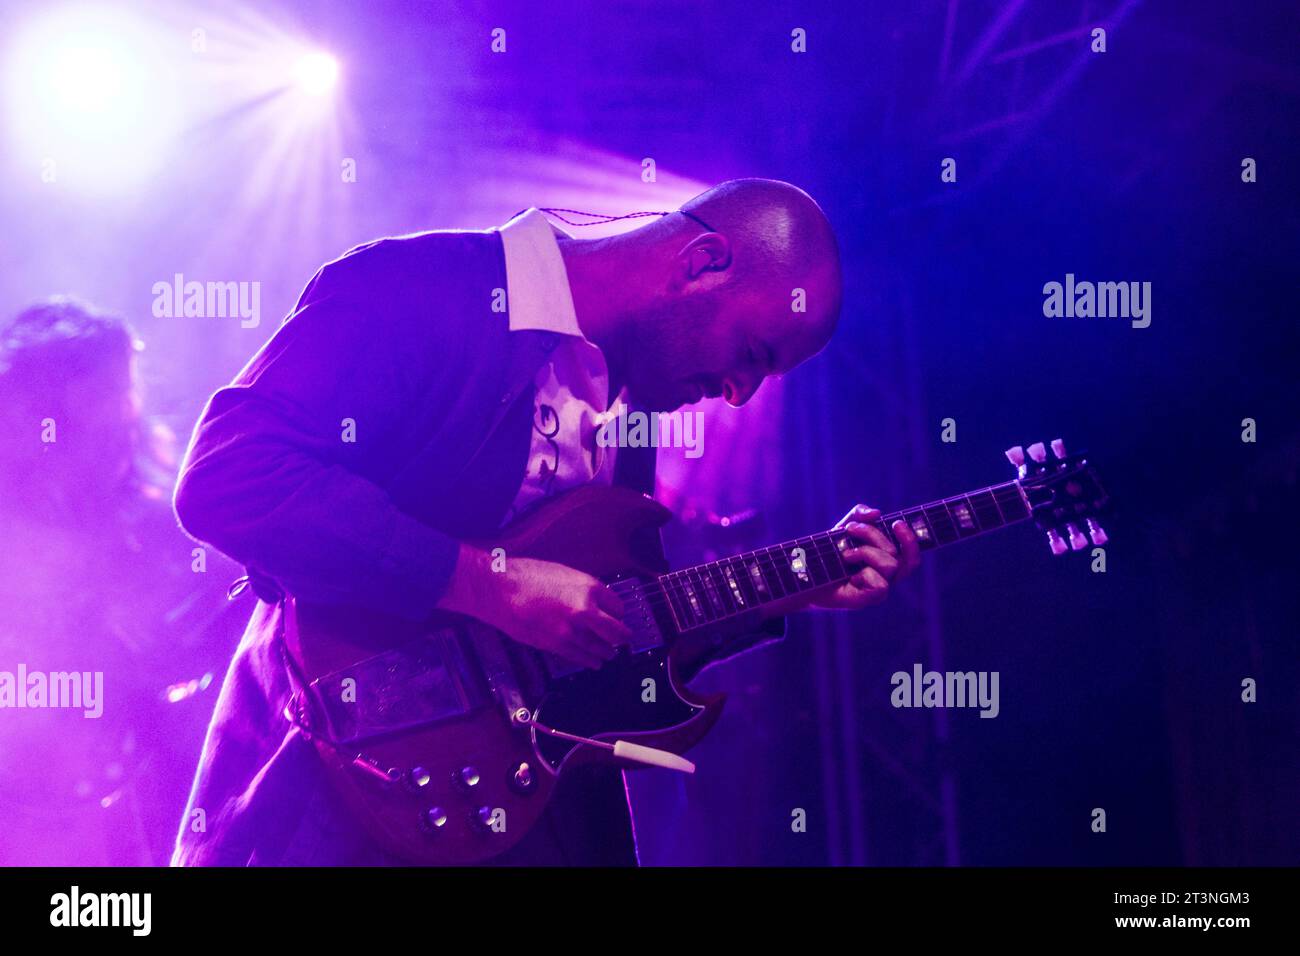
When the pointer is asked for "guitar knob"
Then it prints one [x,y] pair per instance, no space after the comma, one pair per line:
[1016,455]
[1037,452]
[1058,448]
[1097,532]
[1057,543]
[417,778]
[433,820]
[1077,540]
[481,819]
[466,778]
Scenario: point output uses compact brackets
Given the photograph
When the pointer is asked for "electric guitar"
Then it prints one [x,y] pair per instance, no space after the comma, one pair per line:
[446,738]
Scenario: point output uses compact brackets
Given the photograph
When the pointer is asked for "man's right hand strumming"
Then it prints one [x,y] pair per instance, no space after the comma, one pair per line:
[545,605]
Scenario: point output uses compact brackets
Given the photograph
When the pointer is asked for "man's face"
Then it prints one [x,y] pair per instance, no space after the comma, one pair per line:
[713,343]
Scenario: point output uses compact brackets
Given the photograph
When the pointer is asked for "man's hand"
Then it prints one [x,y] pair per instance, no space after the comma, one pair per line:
[882,565]
[540,603]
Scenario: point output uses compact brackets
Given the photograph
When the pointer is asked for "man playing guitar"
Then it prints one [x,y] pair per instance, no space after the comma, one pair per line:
[428,390]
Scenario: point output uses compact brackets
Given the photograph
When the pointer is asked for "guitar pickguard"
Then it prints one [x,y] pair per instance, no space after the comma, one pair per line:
[632,694]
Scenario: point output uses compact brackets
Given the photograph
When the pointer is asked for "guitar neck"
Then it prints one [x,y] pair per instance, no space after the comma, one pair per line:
[713,592]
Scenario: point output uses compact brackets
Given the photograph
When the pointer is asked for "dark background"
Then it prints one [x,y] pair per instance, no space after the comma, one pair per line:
[1118,690]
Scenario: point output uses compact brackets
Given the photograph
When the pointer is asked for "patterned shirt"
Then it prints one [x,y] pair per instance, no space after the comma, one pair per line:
[572,400]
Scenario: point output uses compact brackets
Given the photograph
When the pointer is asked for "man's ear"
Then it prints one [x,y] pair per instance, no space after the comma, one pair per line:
[710,252]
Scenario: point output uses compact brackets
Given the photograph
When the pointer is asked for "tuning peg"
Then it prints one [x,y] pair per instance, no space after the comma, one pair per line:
[1097,532]
[1058,448]
[1077,540]
[1016,455]
[1056,543]
[1037,452]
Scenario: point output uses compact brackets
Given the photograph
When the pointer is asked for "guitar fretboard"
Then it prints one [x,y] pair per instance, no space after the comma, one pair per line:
[712,592]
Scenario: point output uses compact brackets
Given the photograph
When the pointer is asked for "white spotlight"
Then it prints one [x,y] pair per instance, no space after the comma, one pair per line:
[85,77]
[317,73]
[92,96]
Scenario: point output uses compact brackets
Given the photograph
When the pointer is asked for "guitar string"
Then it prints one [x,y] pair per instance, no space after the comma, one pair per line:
[821,548]
[822,538]
[720,591]
[659,593]
[709,606]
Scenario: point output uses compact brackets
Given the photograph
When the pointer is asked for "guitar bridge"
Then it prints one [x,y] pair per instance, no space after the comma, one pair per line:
[422,682]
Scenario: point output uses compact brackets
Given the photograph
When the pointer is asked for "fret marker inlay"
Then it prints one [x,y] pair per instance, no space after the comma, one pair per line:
[736,594]
[695,601]
[799,564]
[964,517]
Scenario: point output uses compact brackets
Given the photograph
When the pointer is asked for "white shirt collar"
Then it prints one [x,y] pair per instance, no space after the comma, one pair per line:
[537,282]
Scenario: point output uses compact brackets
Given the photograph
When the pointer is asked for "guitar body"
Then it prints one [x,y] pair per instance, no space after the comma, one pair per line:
[419,725]
[446,738]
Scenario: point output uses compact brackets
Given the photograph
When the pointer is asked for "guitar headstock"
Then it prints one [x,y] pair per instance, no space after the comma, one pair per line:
[1064,493]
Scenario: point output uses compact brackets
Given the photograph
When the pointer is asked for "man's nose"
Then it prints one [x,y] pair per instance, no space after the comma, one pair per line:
[738,389]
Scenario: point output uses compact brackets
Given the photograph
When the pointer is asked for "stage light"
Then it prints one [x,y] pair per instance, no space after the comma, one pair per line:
[86,77]
[316,73]
[91,98]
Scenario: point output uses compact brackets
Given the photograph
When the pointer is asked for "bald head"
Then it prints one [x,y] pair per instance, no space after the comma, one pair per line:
[781,241]
[711,303]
